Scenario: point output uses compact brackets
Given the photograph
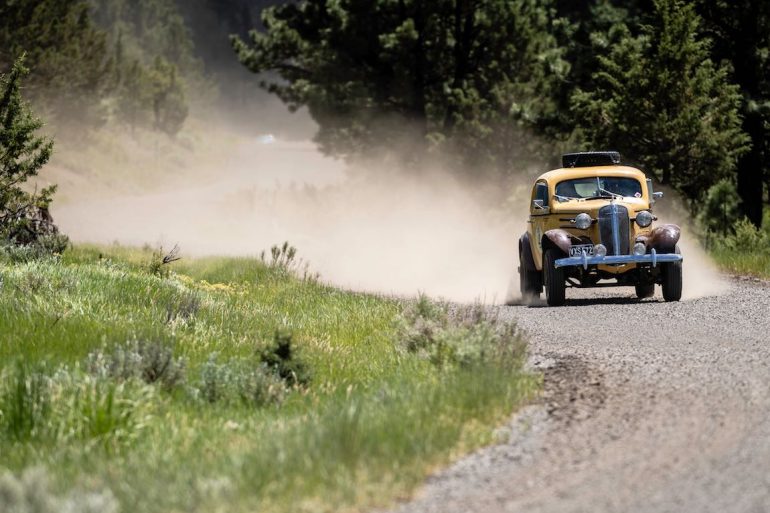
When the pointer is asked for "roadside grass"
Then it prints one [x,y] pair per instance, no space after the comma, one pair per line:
[746,251]
[754,263]
[233,384]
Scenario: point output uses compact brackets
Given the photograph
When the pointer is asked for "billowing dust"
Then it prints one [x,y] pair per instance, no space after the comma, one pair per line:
[700,275]
[379,230]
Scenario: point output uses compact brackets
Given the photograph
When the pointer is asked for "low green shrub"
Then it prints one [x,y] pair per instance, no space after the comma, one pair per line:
[25,402]
[182,307]
[159,261]
[238,381]
[281,357]
[283,258]
[150,362]
[47,246]
[745,250]
[747,238]
[31,493]
[36,405]
[100,411]
[466,336]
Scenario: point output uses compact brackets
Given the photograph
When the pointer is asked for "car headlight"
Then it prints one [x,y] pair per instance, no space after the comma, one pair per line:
[583,221]
[640,249]
[600,250]
[644,219]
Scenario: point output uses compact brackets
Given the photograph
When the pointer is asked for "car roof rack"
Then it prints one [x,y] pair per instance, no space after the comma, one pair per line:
[590,159]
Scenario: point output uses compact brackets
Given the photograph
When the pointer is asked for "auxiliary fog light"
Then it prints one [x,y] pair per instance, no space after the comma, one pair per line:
[600,250]
[640,249]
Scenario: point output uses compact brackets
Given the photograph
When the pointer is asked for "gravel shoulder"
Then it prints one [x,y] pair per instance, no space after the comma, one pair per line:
[648,406]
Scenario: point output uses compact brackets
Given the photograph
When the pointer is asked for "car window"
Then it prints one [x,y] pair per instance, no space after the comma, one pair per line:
[541,193]
[592,187]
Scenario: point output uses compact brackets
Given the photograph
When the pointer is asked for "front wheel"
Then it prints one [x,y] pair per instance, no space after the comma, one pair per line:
[672,280]
[555,281]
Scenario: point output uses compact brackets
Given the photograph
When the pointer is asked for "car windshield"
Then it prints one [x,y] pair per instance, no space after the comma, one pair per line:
[598,187]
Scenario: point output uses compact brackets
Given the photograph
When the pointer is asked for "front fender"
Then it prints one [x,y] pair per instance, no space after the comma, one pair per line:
[559,238]
[663,238]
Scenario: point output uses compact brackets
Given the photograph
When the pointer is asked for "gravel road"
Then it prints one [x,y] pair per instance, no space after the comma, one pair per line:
[648,406]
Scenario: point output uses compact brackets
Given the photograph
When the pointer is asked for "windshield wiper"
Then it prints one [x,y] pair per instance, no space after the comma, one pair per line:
[604,196]
[601,190]
[610,193]
[561,198]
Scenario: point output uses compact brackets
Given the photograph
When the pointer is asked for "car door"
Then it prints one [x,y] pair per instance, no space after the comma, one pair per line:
[538,215]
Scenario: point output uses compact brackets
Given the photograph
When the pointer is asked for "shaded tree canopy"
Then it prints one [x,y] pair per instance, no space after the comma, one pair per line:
[660,100]
[468,76]
[66,53]
[741,34]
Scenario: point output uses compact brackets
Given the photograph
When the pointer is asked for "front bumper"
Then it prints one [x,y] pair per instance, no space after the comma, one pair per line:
[651,258]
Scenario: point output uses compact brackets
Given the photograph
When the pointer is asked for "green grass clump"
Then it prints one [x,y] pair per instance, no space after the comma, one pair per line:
[745,250]
[235,384]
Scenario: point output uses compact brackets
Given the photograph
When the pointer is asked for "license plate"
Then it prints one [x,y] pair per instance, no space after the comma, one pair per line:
[576,251]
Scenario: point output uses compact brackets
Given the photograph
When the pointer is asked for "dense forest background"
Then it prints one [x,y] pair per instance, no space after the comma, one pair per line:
[492,87]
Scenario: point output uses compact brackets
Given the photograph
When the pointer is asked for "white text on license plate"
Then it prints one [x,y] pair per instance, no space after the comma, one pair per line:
[578,250]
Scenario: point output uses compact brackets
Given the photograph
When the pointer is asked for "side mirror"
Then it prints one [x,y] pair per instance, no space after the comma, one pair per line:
[537,204]
[653,195]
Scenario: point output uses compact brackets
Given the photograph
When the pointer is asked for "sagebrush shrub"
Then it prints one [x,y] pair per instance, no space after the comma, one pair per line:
[465,337]
[31,493]
[182,307]
[150,362]
[283,258]
[47,246]
[239,380]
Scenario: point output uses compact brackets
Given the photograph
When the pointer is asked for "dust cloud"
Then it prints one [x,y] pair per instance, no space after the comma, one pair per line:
[701,277]
[376,230]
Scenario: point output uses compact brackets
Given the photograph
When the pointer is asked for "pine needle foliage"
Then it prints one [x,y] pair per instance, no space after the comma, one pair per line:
[661,101]
[462,78]
[22,153]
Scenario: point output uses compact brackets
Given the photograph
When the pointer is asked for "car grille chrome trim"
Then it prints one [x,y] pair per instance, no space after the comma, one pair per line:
[614,229]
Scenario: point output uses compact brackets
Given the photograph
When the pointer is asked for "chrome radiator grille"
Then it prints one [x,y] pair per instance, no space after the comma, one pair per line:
[613,229]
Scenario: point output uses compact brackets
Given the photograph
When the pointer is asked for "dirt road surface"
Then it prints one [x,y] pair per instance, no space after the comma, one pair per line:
[648,407]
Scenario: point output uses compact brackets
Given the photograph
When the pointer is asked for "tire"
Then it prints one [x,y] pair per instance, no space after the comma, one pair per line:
[529,278]
[555,280]
[645,290]
[672,281]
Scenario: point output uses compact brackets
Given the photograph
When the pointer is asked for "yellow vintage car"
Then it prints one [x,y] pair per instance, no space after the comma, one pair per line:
[591,225]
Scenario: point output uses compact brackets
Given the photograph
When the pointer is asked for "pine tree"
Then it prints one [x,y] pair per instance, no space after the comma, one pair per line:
[22,155]
[168,102]
[720,208]
[465,77]
[153,64]
[741,34]
[134,95]
[67,56]
[660,100]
